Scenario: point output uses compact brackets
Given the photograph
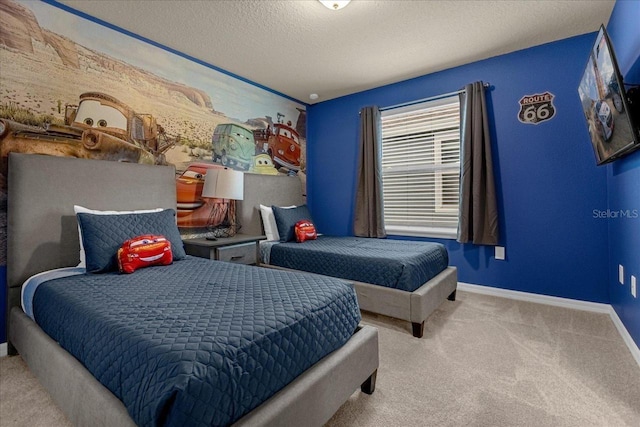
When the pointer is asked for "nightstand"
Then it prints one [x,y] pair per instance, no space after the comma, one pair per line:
[241,248]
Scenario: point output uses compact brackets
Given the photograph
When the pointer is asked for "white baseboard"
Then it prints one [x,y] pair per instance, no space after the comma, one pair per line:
[540,299]
[559,302]
[3,349]
[633,347]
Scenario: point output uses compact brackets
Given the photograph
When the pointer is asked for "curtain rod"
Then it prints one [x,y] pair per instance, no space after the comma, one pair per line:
[431,98]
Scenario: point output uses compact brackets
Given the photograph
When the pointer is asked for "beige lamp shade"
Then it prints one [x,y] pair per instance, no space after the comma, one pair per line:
[223,184]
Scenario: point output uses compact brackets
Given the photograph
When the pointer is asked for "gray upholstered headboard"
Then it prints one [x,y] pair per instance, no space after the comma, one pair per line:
[42,229]
[268,190]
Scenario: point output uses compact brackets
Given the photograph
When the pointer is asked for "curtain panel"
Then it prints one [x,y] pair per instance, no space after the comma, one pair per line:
[478,222]
[368,215]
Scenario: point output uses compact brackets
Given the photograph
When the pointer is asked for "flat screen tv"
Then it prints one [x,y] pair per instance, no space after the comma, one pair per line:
[611,111]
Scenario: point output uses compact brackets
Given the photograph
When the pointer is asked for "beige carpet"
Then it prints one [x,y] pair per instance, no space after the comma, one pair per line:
[484,361]
[23,402]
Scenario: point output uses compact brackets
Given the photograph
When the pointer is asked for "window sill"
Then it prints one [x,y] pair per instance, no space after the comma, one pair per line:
[435,232]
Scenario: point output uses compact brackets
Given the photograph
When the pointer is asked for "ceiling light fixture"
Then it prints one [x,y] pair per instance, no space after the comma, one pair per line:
[334,4]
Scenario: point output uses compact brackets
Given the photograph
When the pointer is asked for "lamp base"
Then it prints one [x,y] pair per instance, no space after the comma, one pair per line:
[222,231]
[229,226]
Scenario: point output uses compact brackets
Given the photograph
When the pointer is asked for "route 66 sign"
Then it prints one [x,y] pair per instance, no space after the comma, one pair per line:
[536,108]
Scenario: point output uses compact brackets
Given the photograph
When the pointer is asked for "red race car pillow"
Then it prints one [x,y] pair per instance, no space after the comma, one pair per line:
[305,230]
[144,251]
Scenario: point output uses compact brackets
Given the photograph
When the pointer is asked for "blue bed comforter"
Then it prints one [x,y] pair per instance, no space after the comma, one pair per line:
[199,342]
[399,264]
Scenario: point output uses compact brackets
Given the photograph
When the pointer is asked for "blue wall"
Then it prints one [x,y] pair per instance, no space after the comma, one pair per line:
[547,181]
[623,178]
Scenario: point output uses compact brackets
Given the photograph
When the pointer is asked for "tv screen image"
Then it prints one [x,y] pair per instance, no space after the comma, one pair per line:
[605,104]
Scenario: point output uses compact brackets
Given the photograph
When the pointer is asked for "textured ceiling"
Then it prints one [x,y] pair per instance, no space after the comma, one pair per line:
[301,47]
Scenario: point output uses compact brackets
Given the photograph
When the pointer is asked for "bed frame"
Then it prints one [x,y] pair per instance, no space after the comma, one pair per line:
[43,235]
[414,306]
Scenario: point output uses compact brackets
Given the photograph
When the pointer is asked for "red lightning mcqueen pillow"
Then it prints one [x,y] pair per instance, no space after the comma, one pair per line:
[144,251]
[305,230]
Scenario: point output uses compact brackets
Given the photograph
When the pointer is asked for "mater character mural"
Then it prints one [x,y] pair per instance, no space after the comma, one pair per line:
[99,127]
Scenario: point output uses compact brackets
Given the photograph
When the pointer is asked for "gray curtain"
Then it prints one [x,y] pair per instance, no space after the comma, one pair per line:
[369,217]
[478,222]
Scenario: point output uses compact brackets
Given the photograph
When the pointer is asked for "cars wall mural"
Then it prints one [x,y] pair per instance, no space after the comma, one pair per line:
[72,87]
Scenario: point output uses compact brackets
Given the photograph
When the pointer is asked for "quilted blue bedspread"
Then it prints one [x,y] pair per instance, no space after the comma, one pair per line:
[199,342]
[399,264]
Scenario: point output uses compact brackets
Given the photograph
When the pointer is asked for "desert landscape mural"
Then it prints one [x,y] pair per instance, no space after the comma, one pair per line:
[70,86]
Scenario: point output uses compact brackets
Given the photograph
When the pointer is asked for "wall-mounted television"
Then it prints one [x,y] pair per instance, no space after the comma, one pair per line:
[612,113]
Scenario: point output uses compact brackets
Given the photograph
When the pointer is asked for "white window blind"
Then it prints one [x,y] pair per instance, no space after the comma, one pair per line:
[421,168]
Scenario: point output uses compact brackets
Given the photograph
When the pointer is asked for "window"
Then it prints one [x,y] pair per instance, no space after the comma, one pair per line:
[421,168]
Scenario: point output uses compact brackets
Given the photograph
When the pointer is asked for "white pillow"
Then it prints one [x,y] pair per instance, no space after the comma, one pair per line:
[80,209]
[269,222]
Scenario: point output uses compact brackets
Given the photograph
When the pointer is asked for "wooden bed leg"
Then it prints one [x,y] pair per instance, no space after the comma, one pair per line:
[418,329]
[452,297]
[369,386]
